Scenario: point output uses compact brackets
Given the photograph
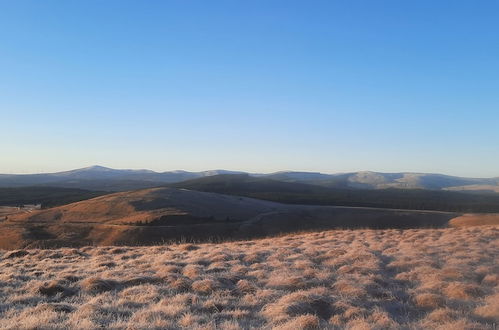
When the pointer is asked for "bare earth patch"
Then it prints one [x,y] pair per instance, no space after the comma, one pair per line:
[357,279]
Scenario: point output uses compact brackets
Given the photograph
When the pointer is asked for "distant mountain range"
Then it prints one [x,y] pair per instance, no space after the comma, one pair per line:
[108,179]
[104,178]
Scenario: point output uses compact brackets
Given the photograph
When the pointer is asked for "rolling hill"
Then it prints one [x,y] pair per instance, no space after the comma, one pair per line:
[157,215]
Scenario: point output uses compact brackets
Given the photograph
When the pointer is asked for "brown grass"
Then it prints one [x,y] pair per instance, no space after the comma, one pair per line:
[357,279]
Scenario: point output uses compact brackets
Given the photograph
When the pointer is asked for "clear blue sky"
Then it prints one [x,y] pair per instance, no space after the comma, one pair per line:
[330,86]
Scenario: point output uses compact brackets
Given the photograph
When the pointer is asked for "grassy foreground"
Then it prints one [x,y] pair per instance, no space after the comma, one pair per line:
[362,279]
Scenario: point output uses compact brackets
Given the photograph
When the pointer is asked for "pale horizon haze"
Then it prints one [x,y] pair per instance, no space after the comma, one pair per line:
[257,86]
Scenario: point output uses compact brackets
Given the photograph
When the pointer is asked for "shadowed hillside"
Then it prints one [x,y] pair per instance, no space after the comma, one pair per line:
[300,193]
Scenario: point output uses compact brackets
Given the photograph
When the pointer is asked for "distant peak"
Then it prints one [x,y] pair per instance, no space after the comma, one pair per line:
[95,168]
[367,172]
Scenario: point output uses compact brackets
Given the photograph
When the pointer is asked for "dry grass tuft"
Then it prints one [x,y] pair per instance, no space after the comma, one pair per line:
[189,320]
[246,286]
[192,271]
[179,284]
[141,280]
[168,270]
[314,302]
[350,288]
[442,315]
[490,310]
[205,286]
[457,290]
[429,300]
[304,322]
[285,281]
[491,279]
[98,285]
[51,288]
[55,307]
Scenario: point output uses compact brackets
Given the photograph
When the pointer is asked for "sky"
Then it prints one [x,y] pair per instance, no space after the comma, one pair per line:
[261,86]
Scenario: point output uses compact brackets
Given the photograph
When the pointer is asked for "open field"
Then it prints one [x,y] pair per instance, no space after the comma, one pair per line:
[359,279]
